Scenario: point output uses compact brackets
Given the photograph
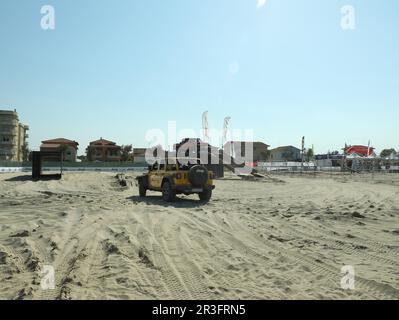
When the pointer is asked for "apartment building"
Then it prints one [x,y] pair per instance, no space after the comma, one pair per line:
[13,137]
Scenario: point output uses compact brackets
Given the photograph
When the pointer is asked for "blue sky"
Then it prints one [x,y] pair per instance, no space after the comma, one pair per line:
[116,69]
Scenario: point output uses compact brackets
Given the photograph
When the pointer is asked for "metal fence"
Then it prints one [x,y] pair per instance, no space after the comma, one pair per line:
[287,168]
[8,166]
[372,167]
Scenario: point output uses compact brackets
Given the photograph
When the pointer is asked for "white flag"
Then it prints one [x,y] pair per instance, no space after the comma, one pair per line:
[226,127]
[205,126]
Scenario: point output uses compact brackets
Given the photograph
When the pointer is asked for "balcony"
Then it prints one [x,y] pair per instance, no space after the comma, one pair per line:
[8,132]
[7,122]
[7,143]
[7,153]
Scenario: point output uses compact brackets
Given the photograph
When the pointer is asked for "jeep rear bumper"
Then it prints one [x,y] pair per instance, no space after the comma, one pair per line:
[191,189]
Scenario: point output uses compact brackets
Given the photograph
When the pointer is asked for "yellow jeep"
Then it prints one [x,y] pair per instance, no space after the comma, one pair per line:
[177,176]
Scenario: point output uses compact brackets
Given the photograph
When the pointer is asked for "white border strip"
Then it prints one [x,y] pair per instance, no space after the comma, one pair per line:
[10,169]
[73,169]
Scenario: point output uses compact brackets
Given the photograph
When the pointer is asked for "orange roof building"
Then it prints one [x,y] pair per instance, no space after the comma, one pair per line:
[70,147]
[103,150]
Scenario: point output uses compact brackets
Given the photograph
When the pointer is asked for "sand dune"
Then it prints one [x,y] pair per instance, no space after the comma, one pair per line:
[254,240]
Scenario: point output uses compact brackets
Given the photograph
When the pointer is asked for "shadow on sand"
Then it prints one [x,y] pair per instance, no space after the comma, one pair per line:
[178,203]
[28,177]
[19,178]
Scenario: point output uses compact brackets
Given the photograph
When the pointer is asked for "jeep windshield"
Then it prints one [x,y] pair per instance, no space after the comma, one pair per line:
[186,163]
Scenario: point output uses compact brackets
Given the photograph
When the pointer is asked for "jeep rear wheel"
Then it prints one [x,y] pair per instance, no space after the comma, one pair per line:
[168,193]
[205,195]
[142,190]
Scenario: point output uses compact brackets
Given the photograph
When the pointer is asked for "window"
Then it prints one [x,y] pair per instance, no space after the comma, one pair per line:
[171,167]
[183,165]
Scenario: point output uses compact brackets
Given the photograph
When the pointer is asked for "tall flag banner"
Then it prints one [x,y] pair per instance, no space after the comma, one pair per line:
[226,128]
[205,126]
[368,149]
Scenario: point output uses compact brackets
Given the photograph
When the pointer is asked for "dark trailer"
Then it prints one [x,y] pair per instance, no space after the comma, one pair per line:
[37,164]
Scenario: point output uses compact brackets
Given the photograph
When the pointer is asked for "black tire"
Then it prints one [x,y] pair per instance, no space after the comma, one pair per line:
[168,193]
[206,195]
[198,175]
[142,190]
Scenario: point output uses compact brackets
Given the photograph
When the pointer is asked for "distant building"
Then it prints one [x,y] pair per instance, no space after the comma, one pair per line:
[139,155]
[363,151]
[104,150]
[193,144]
[69,147]
[196,148]
[285,153]
[260,150]
[329,160]
[13,137]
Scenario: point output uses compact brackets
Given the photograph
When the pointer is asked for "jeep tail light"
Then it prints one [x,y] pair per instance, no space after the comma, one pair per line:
[178,176]
[211,175]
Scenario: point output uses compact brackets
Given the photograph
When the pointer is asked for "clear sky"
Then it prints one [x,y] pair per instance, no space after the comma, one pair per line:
[116,69]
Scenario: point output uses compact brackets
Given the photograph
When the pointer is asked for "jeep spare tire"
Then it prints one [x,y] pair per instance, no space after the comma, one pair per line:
[198,175]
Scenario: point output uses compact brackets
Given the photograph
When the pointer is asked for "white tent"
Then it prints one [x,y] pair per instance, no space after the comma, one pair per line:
[354,155]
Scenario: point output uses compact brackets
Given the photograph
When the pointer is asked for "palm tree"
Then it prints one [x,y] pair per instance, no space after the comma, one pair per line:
[309,154]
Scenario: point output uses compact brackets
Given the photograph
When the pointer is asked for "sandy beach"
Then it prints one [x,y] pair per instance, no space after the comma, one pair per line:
[267,239]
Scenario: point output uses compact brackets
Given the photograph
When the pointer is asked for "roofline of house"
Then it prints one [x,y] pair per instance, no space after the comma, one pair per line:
[60,141]
[283,147]
[253,142]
